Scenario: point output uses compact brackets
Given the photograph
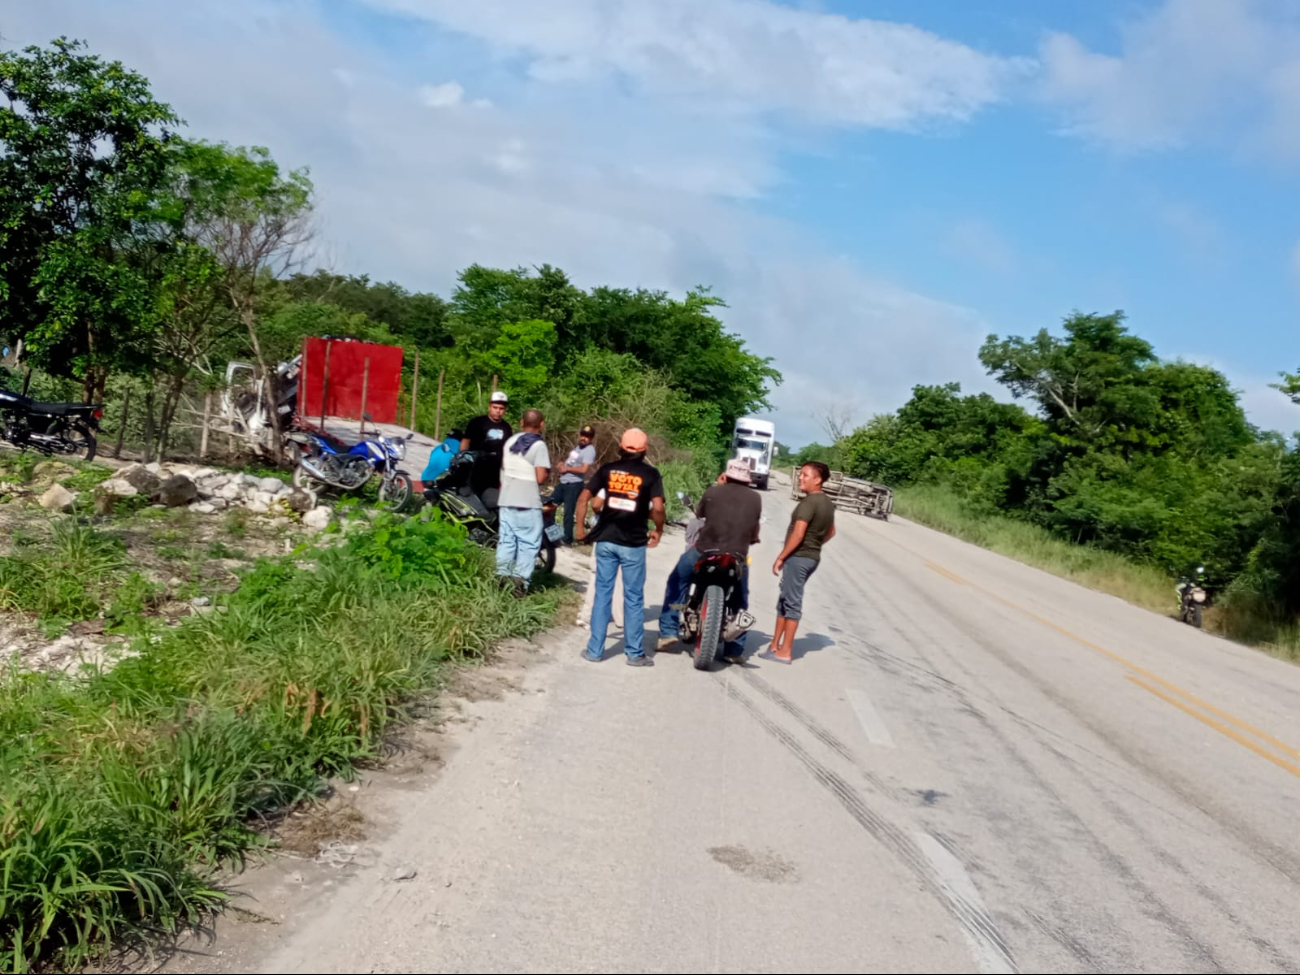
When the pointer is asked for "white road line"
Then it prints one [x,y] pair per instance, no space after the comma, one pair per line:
[869,718]
[990,952]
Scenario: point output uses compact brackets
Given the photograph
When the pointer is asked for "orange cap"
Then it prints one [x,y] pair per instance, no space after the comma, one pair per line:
[634,440]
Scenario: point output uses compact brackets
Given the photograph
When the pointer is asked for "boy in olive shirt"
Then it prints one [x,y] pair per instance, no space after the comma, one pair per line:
[811,526]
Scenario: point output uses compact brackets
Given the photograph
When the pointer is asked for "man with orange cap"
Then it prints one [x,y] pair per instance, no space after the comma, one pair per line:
[634,495]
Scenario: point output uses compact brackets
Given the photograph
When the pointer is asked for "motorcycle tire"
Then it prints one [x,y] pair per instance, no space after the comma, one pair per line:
[712,608]
[398,491]
[1196,615]
[546,558]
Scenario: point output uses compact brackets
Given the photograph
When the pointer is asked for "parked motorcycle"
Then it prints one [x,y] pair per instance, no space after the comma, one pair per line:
[452,495]
[51,428]
[1192,598]
[326,459]
[712,615]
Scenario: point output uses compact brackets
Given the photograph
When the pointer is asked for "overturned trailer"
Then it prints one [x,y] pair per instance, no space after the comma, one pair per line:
[852,494]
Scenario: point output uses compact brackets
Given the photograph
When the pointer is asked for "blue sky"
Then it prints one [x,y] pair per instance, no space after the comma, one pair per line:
[872,186]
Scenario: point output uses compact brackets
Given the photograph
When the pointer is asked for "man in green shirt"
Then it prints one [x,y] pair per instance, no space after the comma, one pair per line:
[811,526]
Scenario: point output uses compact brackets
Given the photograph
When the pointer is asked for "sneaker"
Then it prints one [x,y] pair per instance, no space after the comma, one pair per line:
[733,658]
[641,661]
[666,643]
[588,657]
[520,589]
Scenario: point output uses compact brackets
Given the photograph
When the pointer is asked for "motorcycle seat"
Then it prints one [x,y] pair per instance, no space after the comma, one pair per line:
[64,409]
[10,398]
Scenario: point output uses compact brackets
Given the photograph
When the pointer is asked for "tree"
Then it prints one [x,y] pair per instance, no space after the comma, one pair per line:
[256,222]
[85,152]
[1085,383]
[420,317]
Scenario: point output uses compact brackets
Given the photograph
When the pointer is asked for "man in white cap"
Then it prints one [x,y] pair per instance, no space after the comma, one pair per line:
[732,515]
[486,436]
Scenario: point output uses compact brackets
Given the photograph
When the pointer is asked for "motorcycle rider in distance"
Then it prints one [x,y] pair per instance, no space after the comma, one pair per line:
[732,515]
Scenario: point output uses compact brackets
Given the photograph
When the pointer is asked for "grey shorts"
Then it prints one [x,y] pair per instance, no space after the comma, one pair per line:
[794,576]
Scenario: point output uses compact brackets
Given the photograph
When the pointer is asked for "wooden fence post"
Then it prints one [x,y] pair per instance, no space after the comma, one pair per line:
[121,430]
[415,388]
[365,387]
[207,414]
[437,413]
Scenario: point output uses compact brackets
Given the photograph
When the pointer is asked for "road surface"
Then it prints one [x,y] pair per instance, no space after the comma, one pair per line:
[971,766]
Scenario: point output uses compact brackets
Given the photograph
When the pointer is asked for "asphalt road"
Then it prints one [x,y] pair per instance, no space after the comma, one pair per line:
[971,766]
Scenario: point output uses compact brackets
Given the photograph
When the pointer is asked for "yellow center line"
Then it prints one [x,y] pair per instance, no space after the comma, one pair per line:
[1154,678]
[945,573]
[1220,728]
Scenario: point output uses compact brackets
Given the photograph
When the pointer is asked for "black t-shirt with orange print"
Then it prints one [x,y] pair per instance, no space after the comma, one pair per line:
[629,486]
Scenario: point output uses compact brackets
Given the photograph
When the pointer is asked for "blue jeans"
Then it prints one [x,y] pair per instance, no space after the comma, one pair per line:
[679,585]
[519,542]
[610,558]
[567,495]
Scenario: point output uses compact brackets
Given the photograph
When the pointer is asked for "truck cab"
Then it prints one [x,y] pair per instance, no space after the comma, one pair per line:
[754,442]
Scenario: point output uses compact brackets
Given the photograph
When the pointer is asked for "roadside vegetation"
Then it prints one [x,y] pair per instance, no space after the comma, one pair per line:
[127,785]
[1128,472]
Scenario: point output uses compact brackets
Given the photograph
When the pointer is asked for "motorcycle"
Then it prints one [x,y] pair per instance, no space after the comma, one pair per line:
[1192,598]
[452,495]
[712,615]
[328,460]
[51,428]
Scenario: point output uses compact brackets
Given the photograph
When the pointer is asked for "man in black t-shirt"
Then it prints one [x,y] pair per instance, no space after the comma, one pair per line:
[486,436]
[634,495]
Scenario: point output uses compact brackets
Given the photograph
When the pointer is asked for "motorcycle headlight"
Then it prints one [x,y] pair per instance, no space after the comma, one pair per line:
[1199,595]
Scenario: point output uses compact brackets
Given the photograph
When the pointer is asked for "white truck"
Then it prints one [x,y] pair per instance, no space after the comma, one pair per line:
[754,442]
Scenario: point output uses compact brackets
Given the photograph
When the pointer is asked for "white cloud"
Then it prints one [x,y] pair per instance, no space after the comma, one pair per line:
[977,242]
[446,95]
[741,55]
[415,195]
[1188,71]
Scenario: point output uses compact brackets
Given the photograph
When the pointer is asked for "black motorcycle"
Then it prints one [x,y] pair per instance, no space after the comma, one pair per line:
[452,495]
[51,428]
[712,615]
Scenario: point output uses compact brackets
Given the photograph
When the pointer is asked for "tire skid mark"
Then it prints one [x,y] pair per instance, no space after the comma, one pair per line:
[1155,907]
[974,919]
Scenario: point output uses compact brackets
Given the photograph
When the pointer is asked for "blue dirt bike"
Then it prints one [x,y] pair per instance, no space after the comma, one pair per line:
[325,459]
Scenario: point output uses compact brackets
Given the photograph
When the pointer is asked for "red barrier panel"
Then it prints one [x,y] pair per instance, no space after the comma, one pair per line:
[347,371]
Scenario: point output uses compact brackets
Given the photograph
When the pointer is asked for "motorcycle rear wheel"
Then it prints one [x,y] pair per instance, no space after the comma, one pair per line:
[546,558]
[712,608]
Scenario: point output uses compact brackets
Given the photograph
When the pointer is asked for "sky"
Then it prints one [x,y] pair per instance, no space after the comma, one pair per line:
[873,186]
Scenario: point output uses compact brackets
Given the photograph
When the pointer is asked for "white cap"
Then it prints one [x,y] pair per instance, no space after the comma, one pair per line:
[499,397]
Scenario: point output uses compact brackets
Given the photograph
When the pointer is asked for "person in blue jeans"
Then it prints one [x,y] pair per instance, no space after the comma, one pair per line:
[573,472]
[634,496]
[730,515]
[525,466]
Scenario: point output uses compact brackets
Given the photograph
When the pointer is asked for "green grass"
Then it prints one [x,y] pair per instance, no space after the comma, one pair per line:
[1142,585]
[122,792]
[67,579]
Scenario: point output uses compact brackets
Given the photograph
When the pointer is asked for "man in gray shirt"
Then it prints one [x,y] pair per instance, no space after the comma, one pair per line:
[573,474]
[525,466]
